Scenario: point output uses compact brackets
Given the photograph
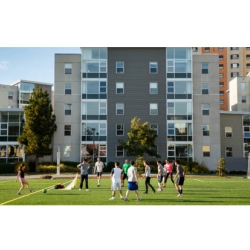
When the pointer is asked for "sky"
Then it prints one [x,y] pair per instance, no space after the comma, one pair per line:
[33,31]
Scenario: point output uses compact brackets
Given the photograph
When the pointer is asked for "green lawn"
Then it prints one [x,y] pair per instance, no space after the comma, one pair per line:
[196,191]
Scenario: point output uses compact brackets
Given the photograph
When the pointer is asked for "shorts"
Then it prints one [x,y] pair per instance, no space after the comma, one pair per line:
[160,178]
[180,181]
[125,176]
[116,185]
[21,179]
[132,186]
[99,173]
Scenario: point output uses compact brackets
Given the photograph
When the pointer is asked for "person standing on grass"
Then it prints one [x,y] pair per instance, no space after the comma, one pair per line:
[98,170]
[20,175]
[84,166]
[180,175]
[147,177]
[159,175]
[132,181]
[125,168]
[116,174]
[168,171]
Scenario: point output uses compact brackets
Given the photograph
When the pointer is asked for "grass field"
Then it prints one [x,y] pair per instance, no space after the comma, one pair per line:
[196,191]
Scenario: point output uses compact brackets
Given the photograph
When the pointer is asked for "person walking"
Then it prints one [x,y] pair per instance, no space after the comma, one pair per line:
[98,169]
[132,181]
[168,167]
[84,166]
[147,176]
[116,174]
[21,177]
[180,175]
[159,175]
[125,168]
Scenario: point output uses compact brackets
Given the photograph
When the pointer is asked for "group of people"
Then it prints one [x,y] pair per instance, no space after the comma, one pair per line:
[129,172]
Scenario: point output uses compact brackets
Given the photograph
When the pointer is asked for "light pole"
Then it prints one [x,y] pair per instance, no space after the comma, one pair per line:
[93,134]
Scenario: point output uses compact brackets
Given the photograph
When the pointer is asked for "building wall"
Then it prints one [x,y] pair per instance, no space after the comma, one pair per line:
[5,101]
[136,97]
[213,119]
[60,99]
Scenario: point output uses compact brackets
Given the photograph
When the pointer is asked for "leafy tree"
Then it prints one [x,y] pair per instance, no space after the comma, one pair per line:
[39,125]
[141,140]
[221,167]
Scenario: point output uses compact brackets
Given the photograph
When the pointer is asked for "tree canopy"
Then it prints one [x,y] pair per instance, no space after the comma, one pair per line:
[39,125]
[141,140]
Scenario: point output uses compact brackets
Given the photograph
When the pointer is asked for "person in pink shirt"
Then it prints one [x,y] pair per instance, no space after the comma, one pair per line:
[168,171]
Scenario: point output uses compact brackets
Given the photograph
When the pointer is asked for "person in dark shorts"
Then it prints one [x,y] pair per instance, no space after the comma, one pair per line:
[180,176]
[125,168]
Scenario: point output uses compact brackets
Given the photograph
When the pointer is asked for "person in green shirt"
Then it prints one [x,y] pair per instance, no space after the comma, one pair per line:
[125,168]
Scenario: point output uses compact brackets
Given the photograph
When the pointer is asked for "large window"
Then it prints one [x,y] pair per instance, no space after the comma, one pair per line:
[94,131]
[25,92]
[179,131]
[94,90]
[179,110]
[179,150]
[94,110]
[179,89]
[153,67]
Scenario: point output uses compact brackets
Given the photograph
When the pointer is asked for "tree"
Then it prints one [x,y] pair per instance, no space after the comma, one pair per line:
[39,125]
[221,167]
[141,140]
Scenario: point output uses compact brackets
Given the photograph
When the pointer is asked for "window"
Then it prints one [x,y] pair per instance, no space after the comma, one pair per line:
[234,65]
[221,102]
[221,92]
[228,132]
[205,130]
[243,99]
[247,48]
[204,68]
[67,109]
[221,66]
[153,88]
[68,89]
[195,49]
[206,151]
[119,88]
[120,67]
[3,128]
[221,84]
[153,67]
[66,151]
[119,129]
[120,108]
[248,65]
[154,127]
[68,68]
[205,109]
[93,88]
[93,110]
[229,152]
[243,86]
[247,57]
[221,75]
[205,88]
[234,56]
[207,49]
[235,74]
[10,95]
[220,48]
[234,48]
[67,130]
[119,151]
[221,57]
[153,108]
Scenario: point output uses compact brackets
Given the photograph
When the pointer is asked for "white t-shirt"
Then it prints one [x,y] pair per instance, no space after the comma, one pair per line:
[116,174]
[132,174]
[99,166]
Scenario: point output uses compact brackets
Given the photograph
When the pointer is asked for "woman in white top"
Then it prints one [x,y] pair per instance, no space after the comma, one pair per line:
[148,177]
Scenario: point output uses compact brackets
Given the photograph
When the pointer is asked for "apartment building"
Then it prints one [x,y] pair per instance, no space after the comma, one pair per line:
[99,91]
[13,99]
[233,62]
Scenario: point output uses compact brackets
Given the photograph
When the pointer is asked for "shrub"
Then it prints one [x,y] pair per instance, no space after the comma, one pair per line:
[153,165]
[200,169]
[47,169]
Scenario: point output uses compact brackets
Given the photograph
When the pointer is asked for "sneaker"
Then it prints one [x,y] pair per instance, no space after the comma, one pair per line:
[31,191]
[145,193]
[125,199]
[98,185]
[87,190]
[19,193]
[80,189]
[139,199]
[159,189]
[121,197]
[112,198]
[179,195]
